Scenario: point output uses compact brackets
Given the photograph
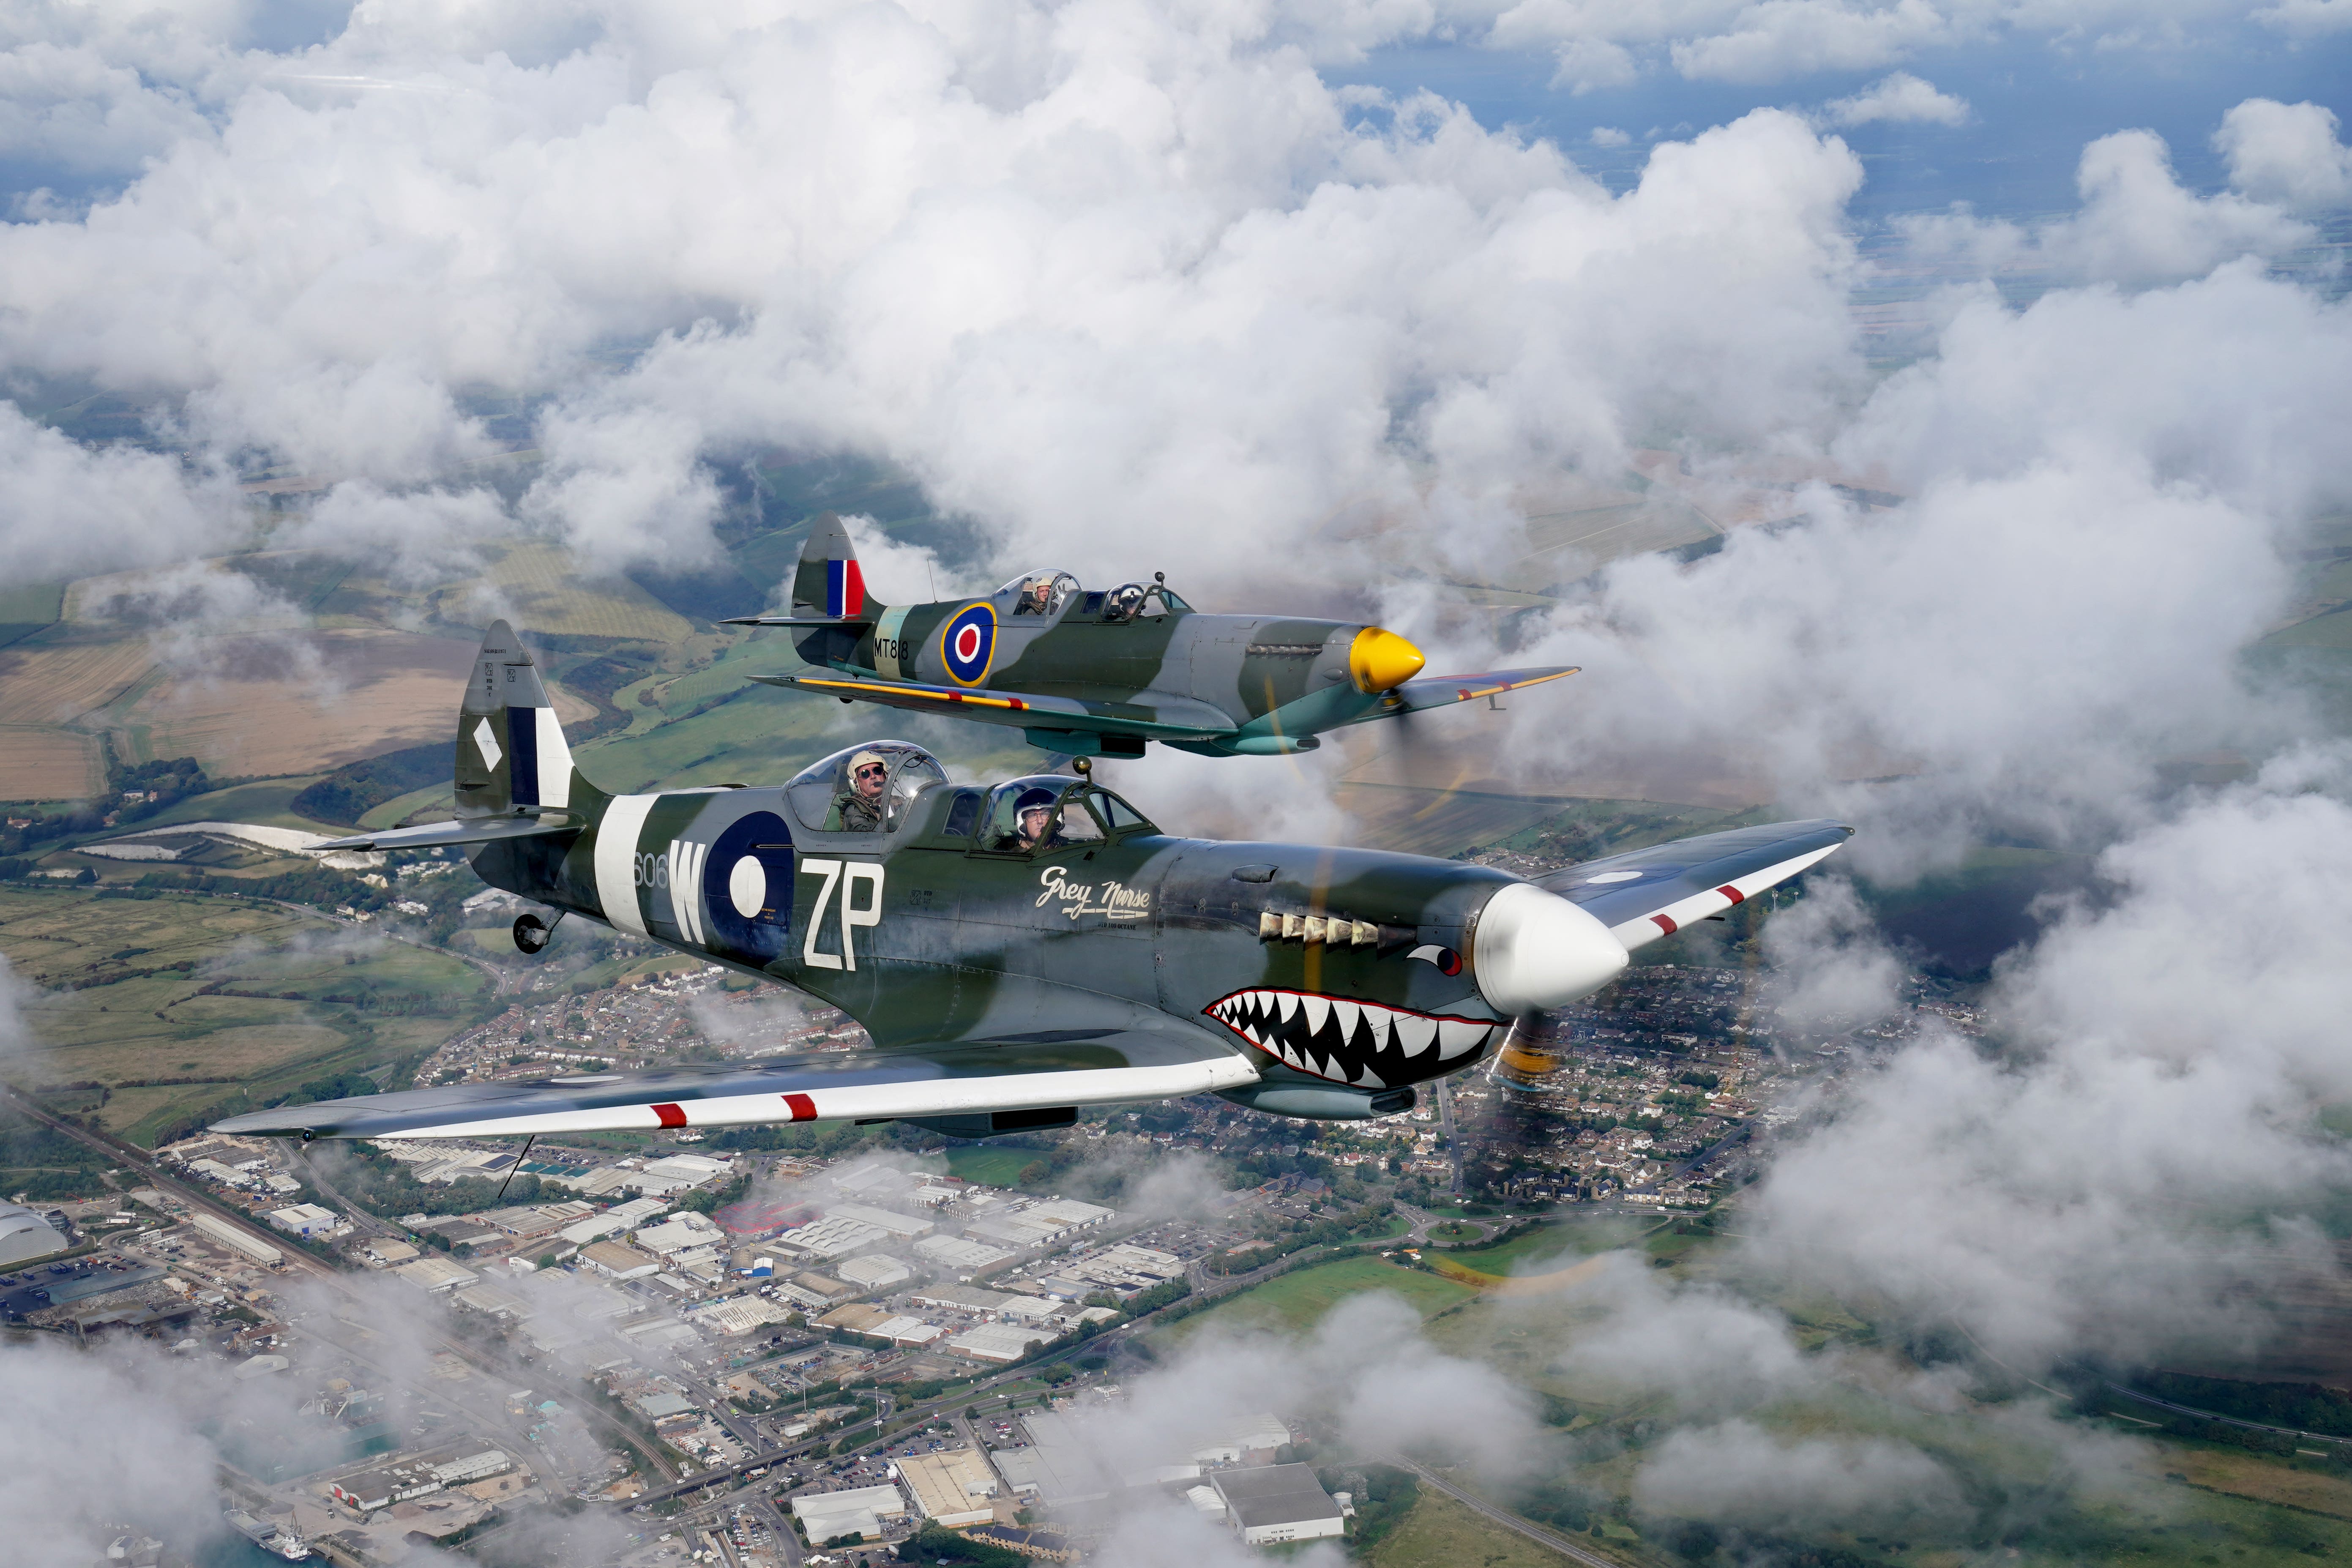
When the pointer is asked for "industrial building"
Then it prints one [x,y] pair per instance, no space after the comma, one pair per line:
[859,1511]
[305,1220]
[1277,1502]
[26,1236]
[960,1253]
[236,1240]
[999,1341]
[436,1274]
[874,1273]
[954,1488]
[834,1236]
[1059,1467]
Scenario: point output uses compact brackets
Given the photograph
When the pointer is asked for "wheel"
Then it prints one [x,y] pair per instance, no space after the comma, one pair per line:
[531,934]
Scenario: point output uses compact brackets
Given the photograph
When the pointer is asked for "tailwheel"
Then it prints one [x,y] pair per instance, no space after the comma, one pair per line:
[531,934]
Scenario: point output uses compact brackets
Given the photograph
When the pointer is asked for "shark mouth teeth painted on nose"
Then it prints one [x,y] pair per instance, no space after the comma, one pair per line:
[1368,1044]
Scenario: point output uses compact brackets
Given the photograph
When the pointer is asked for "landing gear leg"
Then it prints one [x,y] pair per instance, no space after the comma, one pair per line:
[531,934]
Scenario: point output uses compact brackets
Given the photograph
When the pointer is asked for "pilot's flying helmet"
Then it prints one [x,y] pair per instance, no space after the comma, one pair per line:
[1034,800]
[862,758]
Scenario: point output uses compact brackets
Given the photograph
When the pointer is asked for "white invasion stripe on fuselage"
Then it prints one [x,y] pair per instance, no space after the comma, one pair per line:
[941,1097]
[1698,906]
[616,861]
[686,859]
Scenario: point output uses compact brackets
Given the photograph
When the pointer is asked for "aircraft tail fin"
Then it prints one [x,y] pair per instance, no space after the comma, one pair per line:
[512,759]
[829,583]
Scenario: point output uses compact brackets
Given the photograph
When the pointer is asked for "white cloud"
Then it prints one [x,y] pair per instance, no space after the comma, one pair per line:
[2171,1045]
[2138,225]
[1588,65]
[1774,39]
[2286,154]
[1900,98]
[2307,18]
[1737,1473]
[1607,136]
[68,509]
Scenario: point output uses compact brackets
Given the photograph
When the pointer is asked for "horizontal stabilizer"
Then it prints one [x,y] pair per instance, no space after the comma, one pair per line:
[846,623]
[1154,715]
[978,1080]
[1645,894]
[464,830]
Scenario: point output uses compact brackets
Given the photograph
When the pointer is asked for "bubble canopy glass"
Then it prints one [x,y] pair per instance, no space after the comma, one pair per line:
[829,796]
[1073,812]
[1042,593]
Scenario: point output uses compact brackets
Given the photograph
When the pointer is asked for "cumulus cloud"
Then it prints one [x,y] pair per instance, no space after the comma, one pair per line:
[2170,1043]
[1832,965]
[68,509]
[1098,258]
[2287,155]
[1777,38]
[1899,99]
[2137,224]
[2307,18]
[1740,1474]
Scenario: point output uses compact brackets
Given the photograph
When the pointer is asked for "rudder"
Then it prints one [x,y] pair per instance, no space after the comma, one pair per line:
[512,759]
[828,581]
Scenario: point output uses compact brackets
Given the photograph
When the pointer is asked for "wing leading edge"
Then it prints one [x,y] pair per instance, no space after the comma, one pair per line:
[1646,894]
[1046,1071]
[1174,718]
[1444,691]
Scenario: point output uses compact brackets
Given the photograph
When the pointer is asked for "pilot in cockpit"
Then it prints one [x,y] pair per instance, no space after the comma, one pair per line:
[1125,603]
[858,807]
[1036,596]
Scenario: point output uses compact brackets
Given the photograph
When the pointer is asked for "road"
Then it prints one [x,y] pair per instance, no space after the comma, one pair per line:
[135,1159]
[2228,1420]
[1422,1219]
[1537,1533]
[1446,1126]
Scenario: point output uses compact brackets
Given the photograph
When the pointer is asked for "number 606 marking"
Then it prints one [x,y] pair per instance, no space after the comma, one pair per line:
[650,870]
[847,875]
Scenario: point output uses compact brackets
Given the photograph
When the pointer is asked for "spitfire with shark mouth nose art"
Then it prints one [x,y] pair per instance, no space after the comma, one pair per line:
[1018,953]
[1367,1045]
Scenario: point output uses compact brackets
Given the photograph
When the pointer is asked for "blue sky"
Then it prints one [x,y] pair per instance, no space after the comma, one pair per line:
[2035,105]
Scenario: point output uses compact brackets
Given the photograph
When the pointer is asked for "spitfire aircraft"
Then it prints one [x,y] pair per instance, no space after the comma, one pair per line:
[1019,951]
[1100,673]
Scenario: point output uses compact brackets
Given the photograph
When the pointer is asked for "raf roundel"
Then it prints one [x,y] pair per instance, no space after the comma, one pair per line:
[967,643]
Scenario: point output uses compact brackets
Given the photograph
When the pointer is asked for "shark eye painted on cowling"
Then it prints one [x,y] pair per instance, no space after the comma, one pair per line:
[1448,962]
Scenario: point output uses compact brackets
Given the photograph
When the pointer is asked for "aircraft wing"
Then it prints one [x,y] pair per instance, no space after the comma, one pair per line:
[972,1089]
[1162,716]
[1444,691]
[464,830]
[1645,894]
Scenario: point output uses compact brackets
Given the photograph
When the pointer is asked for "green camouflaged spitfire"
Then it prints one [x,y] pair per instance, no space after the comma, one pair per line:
[1019,951]
[1100,673]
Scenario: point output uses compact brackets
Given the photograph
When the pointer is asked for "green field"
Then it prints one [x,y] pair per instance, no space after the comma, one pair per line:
[1441,1533]
[1298,1300]
[184,1003]
[991,1167]
[1571,1238]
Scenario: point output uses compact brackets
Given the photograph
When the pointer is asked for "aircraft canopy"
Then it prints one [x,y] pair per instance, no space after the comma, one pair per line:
[864,788]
